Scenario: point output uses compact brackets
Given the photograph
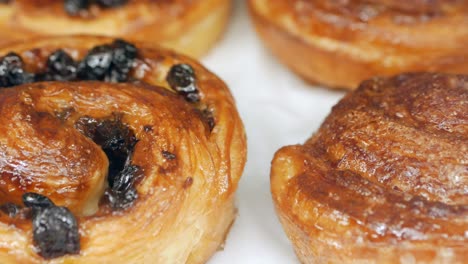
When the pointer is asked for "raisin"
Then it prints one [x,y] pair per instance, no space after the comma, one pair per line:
[192,97]
[74,7]
[86,125]
[10,209]
[123,181]
[36,201]
[124,53]
[119,201]
[118,142]
[181,78]
[61,67]
[123,57]
[96,64]
[122,193]
[168,155]
[111,3]
[115,138]
[12,72]
[55,232]
[209,118]
[188,182]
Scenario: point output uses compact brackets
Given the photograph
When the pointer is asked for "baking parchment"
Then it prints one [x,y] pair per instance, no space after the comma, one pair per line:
[278,109]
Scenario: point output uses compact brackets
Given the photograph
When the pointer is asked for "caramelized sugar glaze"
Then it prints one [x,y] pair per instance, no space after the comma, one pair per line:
[341,43]
[177,159]
[187,26]
[385,178]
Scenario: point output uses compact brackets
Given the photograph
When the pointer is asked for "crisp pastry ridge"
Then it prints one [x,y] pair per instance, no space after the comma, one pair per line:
[384,179]
[184,146]
[190,27]
[341,43]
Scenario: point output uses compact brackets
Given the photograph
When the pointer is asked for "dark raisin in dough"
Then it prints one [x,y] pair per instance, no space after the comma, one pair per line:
[10,209]
[35,200]
[123,57]
[55,232]
[181,78]
[96,64]
[125,179]
[111,3]
[60,67]
[122,191]
[118,141]
[12,72]
[74,7]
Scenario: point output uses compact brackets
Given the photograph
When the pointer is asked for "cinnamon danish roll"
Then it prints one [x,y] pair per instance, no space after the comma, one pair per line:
[385,178]
[188,26]
[341,43]
[114,151]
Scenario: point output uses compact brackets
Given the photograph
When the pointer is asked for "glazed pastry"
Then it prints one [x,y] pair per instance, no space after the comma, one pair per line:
[341,43]
[385,178]
[187,26]
[111,151]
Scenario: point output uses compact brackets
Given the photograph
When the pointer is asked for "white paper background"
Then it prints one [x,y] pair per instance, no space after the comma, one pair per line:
[278,109]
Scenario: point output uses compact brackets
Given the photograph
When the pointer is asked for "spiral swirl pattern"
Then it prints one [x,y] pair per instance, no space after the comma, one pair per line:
[189,157]
[342,43]
[385,179]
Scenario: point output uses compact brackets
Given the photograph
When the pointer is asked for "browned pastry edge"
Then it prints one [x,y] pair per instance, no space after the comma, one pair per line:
[190,27]
[186,205]
[384,179]
[339,50]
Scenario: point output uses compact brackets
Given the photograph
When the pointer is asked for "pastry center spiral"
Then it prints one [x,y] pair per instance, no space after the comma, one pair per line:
[69,137]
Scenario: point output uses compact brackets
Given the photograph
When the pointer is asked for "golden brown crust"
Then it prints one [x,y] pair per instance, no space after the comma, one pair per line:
[341,43]
[384,179]
[185,205]
[191,27]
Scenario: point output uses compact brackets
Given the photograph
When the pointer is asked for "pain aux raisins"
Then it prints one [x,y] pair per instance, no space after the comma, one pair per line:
[75,7]
[109,62]
[55,229]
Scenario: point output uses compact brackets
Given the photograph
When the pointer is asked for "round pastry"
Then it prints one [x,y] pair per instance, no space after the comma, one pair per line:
[188,26]
[341,43]
[111,151]
[385,179]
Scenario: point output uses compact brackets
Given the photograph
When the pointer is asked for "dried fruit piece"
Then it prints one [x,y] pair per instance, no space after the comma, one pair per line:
[111,3]
[10,209]
[123,58]
[118,141]
[74,7]
[55,232]
[60,67]
[36,201]
[181,78]
[96,64]
[12,72]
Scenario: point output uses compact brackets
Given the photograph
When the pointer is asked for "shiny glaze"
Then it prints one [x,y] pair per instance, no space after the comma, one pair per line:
[341,43]
[188,26]
[48,155]
[378,21]
[177,6]
[385,179]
